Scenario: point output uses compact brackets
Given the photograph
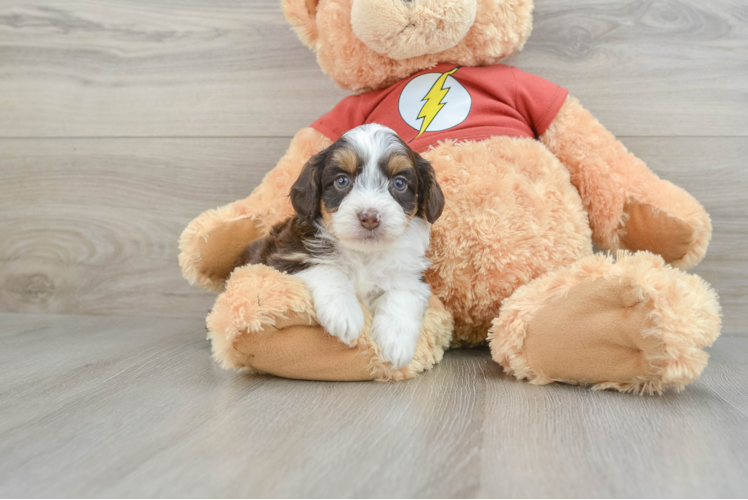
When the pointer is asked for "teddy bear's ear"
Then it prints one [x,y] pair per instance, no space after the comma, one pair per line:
[302,14]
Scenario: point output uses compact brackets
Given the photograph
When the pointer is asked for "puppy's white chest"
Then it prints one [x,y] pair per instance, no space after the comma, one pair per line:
[377,274]
[371,279]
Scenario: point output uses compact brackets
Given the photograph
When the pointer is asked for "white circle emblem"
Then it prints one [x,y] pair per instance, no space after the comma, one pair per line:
[434,102]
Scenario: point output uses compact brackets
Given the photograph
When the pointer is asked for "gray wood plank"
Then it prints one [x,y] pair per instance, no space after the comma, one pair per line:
[132,407]
[569,442]
[646,67]
[90,226]
[167,68]
[140,409]
[234,68]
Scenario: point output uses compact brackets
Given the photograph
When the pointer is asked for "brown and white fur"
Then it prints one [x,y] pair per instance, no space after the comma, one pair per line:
[364,209]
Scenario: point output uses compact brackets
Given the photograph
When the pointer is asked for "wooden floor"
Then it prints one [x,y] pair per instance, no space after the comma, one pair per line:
[134,407]
[121,120]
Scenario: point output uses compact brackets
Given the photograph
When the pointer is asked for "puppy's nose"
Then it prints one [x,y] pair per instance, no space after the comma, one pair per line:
[369,219]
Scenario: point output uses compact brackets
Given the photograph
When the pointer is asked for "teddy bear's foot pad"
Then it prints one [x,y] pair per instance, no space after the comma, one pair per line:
[594,334]
[222,246]
[634,324]
[264,322]
[656,231]
[304,353]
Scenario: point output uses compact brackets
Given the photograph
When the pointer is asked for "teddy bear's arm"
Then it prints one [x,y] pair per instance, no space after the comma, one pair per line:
[629,207]
[212,243]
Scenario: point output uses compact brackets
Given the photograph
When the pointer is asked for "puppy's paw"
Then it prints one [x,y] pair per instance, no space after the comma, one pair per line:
[396,338]
[342,317]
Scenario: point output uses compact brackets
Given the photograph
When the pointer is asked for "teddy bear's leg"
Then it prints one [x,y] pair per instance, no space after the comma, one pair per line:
[265,322]
[634,324]
[212,243]
[629,207]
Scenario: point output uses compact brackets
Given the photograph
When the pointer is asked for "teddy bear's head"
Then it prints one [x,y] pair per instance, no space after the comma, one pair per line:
[370,44]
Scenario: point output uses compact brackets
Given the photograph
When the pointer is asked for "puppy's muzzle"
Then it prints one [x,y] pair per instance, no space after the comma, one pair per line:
[369,219]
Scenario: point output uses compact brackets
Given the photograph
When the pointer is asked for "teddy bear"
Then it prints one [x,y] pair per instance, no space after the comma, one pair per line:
[531,179]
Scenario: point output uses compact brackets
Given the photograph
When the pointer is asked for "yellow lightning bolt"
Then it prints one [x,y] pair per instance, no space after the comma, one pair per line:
[434,102]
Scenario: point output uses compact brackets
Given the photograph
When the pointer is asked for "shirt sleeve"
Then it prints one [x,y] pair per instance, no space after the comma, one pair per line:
[346,116]
[537,100]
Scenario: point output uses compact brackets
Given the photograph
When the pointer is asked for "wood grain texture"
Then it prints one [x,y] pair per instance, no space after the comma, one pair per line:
[132,407]
[648,67]
[562,441]
[90,225]
[121,120]
[210,68]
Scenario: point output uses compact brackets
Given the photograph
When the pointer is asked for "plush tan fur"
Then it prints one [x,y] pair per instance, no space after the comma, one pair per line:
[501,28]
[512,251]
[525,218]
[401,30]
[609,177]
[264,322]
[683,317]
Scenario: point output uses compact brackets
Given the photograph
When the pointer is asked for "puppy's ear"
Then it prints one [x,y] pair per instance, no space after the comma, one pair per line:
[306,191]
[430,196]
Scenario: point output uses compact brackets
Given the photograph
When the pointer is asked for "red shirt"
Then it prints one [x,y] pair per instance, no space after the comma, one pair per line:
[457,103]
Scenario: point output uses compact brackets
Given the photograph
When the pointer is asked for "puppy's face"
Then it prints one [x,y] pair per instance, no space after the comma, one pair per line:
[367,187]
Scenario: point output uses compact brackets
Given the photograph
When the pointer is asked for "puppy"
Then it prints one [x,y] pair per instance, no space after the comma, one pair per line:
[364,209]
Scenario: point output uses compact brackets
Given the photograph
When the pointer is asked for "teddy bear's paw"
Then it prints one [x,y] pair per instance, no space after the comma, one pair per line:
[258,300]
[665,220]
[265,323]
[635,325]
[211,247]
[655,230]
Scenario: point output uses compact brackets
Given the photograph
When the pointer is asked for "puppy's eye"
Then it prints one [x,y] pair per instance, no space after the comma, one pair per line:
[399,184]
[342,182]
